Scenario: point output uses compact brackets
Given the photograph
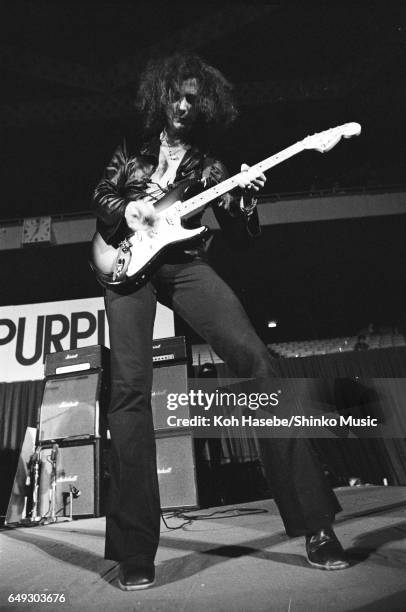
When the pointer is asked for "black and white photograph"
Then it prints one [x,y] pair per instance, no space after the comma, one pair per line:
[202,306]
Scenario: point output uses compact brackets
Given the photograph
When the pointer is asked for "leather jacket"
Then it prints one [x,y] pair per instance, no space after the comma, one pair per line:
[126,177]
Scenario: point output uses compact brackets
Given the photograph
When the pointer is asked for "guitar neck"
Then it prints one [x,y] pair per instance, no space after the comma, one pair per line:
[201,200]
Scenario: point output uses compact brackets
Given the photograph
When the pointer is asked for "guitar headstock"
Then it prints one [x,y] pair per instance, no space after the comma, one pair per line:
[325,141]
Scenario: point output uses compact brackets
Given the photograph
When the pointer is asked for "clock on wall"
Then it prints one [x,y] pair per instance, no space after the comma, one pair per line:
[36,230]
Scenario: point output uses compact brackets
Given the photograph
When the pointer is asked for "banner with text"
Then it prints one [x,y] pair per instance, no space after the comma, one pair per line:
[28,332]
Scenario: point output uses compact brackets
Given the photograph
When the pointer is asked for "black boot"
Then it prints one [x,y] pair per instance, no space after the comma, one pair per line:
[325,551]
[134,575]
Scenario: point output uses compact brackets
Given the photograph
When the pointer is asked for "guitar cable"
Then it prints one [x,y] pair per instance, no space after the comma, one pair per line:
[216,515]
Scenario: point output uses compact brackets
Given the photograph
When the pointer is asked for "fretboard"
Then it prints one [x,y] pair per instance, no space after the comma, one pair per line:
[201,200]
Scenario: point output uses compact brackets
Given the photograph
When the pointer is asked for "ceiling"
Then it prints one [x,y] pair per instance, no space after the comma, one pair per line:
[69,72]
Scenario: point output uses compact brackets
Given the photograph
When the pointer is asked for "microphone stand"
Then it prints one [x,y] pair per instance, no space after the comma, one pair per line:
[35,489]
[74,493]
[54,455]
[52,488]
[30,511]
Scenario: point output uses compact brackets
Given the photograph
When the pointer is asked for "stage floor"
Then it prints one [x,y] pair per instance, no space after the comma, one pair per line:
[237,560]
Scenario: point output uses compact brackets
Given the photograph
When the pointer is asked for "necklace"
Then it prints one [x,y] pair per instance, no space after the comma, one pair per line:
[175,152]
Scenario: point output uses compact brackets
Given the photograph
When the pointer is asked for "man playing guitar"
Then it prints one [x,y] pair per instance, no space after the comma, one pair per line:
[183,101]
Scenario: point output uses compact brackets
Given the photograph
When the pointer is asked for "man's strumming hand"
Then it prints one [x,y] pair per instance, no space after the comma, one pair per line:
[141,214]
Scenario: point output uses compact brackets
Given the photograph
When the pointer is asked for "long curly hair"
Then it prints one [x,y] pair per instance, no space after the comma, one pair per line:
[163,77]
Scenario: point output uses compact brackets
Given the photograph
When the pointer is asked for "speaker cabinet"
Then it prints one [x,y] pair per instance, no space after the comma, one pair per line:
[70,406]
[82,466]
[168,379]
[177,470]
[175,449]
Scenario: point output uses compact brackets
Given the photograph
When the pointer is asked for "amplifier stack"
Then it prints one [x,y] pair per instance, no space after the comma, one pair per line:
[72,440]
[70,459]
[175,448]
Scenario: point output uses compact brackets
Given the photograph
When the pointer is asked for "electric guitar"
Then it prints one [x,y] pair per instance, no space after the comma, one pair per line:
[137,256]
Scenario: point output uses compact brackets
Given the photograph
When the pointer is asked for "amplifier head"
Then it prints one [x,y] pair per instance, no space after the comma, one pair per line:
[170,350]
[75,360]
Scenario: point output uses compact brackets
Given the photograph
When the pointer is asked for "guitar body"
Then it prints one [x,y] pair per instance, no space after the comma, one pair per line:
[141,254]
[136,258]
